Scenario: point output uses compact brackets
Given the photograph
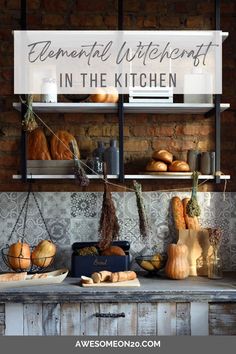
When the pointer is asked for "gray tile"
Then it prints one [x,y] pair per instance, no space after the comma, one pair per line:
[57,204]
[84,204]
[34,230]
[233,257]
[130,204]
[8,205]
[84,229]
[59,229]
[63,258]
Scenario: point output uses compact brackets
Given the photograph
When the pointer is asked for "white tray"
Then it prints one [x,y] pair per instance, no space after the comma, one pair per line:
[55,277]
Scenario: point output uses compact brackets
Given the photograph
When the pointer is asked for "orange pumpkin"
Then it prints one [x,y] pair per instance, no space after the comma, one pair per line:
[19,256]
[177,266]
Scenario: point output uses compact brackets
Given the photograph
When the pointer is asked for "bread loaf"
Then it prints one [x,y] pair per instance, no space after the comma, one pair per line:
[13,276]
[60,146]
[96,277]
[105,275]
[156,166]
[123,276]
[105,95]
[39,276]
[178,213]
[163,155]
[113,251]
[86,280]
[37,146]
[179,166]
[191,222]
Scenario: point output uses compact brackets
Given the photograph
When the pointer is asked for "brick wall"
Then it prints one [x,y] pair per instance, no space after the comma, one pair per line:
[143,133]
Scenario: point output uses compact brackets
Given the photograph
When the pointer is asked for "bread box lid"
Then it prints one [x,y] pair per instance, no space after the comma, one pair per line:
[125,245]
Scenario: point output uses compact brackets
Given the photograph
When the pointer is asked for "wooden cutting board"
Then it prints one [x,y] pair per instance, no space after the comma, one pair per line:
[134,282]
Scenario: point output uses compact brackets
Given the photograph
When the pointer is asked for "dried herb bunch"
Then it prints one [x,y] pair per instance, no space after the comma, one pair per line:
[214,237]
[143,220]
[193,208]
[80,174]
[108,226]
[29,123]
[78,168]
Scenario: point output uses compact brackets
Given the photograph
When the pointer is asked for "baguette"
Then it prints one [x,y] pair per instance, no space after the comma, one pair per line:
[13,276]
[178,213]
[191,222]
[123,276]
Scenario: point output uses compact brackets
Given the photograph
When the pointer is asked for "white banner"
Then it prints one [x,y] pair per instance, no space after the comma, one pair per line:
[188,62]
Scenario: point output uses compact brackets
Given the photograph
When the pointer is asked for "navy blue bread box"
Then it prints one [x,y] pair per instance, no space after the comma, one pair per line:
[86,265]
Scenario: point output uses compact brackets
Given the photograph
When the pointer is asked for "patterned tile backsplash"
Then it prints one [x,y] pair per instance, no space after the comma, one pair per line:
[72,217]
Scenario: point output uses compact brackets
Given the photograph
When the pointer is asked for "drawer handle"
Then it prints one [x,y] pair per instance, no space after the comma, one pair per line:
[109,315]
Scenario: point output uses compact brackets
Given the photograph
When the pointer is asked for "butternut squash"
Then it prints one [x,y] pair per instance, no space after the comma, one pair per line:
[177,266]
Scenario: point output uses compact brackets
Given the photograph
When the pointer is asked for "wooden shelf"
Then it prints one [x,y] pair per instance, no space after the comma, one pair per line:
[63,176]
[163,108]
[145,176]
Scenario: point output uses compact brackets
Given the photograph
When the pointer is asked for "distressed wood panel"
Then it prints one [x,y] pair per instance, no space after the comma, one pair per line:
[89,323]
[147,319]
[2,319]
[127,325]
[33,319]
[14,319]
[222,319]
[108,326]
[70,319]
[199,319]
[183,319]
[166,319]
[51,319]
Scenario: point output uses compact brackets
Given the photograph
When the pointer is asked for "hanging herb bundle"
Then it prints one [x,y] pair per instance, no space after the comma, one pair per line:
[143,220]
[80,174]
[108,226]
[29,123]
[193,208]
[78,168]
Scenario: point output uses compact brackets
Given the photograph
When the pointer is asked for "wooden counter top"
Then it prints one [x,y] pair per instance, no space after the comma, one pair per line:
[157,289]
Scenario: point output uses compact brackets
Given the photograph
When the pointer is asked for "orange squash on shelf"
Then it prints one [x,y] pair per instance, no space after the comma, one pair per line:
[19,256]
[177,266]
[37,146]
[60,146]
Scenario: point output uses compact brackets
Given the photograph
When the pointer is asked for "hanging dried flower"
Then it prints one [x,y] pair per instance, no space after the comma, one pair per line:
[143,220]
[193,208]
[80,174]
[29,123]
[108,226]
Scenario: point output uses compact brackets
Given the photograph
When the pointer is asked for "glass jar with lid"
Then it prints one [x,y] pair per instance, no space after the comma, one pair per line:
[49,90]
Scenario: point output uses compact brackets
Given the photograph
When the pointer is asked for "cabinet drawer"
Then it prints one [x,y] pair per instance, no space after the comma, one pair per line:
[118,319]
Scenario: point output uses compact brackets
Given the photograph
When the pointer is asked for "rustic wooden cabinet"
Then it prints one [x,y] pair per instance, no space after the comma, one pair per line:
[181,318]
[194,306]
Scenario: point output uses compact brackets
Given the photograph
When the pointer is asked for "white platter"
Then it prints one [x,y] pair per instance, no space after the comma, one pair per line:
[55,277]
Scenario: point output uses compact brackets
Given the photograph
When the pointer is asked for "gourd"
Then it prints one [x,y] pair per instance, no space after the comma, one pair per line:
[177,266]
[19,256]
[43,253]
[60,146]
[108,95]
[38,146]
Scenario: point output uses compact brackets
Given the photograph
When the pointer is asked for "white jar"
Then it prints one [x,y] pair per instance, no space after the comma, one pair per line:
[49,90]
